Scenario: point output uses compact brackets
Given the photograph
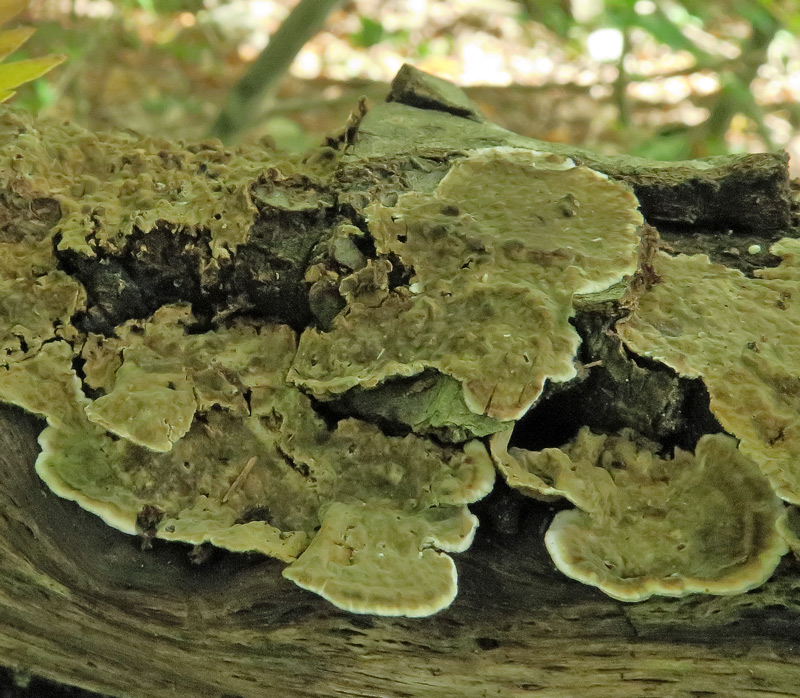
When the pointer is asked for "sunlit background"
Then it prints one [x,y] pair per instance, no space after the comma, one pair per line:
[659,78]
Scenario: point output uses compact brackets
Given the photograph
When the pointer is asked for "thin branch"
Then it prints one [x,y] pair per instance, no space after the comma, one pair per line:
[243,102]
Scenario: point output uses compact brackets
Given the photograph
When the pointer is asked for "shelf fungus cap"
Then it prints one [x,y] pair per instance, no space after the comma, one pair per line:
[742,337]
[696,523]
[45,384]
[553,473]
[264,481]
[498,252]
[148,406]
[385,561]
[166,375]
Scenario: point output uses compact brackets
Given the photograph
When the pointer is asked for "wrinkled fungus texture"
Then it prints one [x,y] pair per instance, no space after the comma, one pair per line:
[257,480]
[178,430]
[441,302]
[644,525]
[742,337]
[109,184]
[367,559]
[498,252]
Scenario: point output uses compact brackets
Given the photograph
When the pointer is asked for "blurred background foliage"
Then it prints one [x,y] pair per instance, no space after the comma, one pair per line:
[668,79]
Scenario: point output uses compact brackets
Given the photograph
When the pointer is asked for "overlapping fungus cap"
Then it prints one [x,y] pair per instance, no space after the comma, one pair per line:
[498,251]
[155,375]
[256,469]
[553,473]
[742,336]
[368,559]
[695,523]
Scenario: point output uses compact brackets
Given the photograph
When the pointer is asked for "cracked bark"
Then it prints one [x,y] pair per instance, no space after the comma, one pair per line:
[84,605]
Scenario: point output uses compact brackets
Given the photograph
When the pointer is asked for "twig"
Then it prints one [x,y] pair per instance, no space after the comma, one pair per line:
[240,478]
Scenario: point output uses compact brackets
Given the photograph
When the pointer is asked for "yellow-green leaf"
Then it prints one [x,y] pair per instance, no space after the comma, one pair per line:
[6,95]
[12,39]
[10,8]
[15,74]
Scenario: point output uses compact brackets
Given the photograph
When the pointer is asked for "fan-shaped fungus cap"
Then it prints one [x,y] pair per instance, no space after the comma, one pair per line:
[368,559]
[259,481]
[742,336]
[498,250]
[553,473]
[166,374]
[702,523]
[45,384]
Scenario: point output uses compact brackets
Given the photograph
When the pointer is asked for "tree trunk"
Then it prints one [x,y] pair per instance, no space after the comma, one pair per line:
[84,605]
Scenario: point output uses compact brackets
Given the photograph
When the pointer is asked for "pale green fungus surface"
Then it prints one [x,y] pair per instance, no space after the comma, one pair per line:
[644,525]
[192,434]
[156,375]
[110,184]
[498,251]
[35,310]
[447,313]
[742,337]
[366,558]
[258,481]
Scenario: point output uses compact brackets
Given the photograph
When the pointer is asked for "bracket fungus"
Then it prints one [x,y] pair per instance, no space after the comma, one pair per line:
[431,310]
[259,481]
[644,525]
[740,335]
[498,251]
[184,429]
[368,559]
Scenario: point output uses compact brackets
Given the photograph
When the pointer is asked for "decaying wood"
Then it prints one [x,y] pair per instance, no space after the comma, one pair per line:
[84,605]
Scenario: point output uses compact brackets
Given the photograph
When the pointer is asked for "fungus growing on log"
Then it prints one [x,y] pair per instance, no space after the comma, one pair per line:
[740,335]
[294,357]
[183,427]
[644,525]
[498,252]
[258,481]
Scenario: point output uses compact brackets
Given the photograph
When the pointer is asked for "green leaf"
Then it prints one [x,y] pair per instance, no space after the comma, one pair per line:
[11,8]
[371,33]
[13,75]
[12,39]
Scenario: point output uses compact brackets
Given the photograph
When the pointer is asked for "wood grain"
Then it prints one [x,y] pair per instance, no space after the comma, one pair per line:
[82,604]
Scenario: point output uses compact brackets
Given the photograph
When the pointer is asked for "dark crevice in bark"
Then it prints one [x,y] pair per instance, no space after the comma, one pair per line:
[735,249]
[263,280]
[153,269]
[617,389]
